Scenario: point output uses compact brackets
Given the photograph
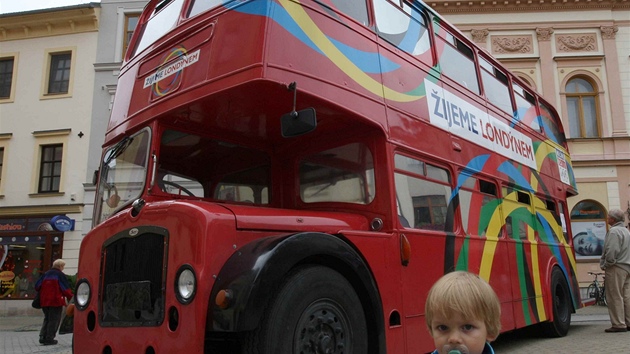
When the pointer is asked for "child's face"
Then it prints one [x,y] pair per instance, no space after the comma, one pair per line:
[456,333]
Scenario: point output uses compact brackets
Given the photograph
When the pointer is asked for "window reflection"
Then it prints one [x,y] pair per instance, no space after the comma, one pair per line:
[423,192]
[24,258]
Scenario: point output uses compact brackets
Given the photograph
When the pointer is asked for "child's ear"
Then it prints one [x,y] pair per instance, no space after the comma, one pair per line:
[490,338]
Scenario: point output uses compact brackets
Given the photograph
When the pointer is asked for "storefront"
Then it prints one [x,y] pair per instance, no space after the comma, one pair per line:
[28,246]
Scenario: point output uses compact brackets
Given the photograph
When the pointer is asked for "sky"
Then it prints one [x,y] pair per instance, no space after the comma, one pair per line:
[8,6]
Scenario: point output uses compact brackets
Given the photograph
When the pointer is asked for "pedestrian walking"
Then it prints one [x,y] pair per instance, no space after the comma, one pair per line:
[54,291]
[615,261]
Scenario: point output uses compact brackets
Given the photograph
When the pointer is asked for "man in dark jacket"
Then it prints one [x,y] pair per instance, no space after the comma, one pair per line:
[54,290]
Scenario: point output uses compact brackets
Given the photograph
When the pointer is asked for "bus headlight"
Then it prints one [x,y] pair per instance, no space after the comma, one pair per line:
[185,284]
[82,295]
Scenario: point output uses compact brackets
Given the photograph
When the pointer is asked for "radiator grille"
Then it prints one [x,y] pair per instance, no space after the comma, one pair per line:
[133,278]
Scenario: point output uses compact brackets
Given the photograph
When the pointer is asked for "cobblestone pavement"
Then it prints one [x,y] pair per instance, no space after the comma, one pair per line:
[586,335]
[20,335]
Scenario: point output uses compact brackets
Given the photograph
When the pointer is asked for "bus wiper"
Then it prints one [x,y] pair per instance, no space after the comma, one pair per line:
[118,149]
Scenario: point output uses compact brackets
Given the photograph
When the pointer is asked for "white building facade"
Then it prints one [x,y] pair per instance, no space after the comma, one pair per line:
[46,94]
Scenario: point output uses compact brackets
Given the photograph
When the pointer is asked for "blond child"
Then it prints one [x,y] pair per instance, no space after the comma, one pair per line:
[463,314]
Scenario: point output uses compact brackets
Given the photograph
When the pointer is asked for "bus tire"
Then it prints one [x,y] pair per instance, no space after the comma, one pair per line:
[561,307]
[315,310]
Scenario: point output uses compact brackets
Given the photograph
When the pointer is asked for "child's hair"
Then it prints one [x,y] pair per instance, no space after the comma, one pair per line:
[465,294]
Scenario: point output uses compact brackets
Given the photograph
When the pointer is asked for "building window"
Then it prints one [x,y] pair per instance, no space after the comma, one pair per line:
[59,75]
[6,77]
[582,108]
[131,21]
[50,168]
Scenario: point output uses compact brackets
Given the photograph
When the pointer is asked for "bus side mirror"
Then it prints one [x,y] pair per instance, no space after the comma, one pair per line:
[298,122]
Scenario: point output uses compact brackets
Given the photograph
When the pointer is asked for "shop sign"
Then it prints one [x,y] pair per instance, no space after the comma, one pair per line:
[13,225]
[62,223]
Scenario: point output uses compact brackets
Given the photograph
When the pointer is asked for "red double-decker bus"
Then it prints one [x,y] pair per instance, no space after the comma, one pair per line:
[291,176]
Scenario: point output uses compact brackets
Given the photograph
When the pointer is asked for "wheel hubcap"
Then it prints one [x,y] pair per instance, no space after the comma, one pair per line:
[322,330]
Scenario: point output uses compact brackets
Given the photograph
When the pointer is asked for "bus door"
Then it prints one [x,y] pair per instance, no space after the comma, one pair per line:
[423,192]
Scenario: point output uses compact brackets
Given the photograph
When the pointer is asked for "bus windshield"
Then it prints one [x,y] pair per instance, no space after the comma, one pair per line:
[122,174]
[196,166]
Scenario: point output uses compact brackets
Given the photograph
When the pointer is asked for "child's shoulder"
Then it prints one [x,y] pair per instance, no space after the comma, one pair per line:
[488,349]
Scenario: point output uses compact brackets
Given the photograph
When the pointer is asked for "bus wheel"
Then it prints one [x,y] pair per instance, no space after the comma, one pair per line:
[561,303]
[316,310]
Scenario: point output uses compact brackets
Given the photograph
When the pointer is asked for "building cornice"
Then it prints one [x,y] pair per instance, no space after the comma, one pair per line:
[510,6]
[50,22]
[42,209]
[107,66]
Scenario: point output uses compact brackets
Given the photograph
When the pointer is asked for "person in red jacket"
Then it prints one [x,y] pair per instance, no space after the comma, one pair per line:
[54,290]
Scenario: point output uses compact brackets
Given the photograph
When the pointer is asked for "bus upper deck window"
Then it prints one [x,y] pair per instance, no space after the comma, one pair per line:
[495,86]
[550,123]
[164,18]
[200,6]
[357,9]
[403,26]
[457,60]
[525,107]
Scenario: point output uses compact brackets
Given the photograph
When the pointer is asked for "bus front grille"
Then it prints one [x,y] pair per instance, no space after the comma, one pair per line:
[134,263]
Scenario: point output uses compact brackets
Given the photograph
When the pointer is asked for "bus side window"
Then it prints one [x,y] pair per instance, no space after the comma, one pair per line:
[550,125]
[555,224]
[495,86]
[405,27]
[517,210]
[357,9]
[456,60]
[478,201]
[563,222]
[199,6]
[525,107]
[423,191]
